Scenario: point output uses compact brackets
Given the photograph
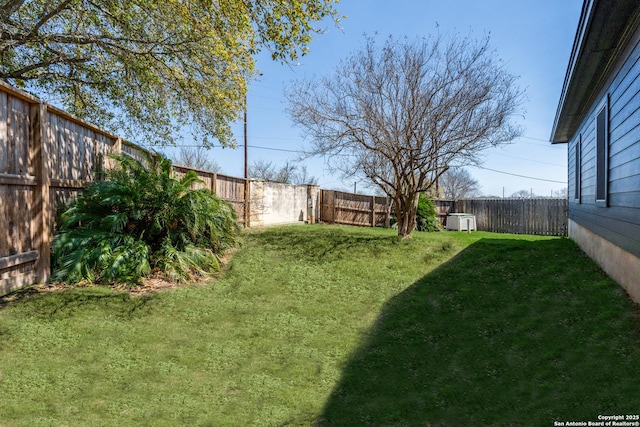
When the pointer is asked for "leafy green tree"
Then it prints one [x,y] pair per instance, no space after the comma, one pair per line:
[140,219]
[426,215]
[146,68]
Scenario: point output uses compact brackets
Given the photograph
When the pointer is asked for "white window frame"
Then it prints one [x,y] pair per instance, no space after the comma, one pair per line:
[602,155]
[577,181]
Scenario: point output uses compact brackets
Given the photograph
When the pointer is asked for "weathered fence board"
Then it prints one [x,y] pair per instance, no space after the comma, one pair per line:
[229,188]
[18,187]
[338,207]
[46,157]
[544,216]
[132,150]
[4,130]
[234,191]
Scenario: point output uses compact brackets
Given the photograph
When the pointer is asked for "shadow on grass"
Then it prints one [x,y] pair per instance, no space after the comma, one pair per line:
[509,332]
[60,304]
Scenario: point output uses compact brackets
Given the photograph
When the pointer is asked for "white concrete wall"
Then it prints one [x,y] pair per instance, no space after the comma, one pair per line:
[273,203]
[620,265]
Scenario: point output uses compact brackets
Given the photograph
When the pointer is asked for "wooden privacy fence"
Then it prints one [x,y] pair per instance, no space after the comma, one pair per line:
[47,156]
[229,188]
[337,207]
[545,216]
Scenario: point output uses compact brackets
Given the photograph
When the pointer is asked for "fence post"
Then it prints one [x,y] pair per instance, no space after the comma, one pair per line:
[247,198]
[214,183]
[40,219]
[373,211]
[116,149]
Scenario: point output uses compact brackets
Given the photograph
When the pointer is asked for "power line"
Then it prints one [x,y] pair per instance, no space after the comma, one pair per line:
[303,152]
[241,145]
[275,149]
[276,138]
[237,146]
[536,139]
[529,160]
[520,176]
[255,95]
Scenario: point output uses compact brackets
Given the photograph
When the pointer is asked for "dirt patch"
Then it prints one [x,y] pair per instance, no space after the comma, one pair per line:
[149,285]
[153,283]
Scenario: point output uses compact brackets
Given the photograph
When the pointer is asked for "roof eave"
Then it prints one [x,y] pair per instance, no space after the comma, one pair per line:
[603,31]
[556,135]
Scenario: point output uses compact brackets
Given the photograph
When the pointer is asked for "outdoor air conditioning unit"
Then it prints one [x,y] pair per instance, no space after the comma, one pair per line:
[461,222]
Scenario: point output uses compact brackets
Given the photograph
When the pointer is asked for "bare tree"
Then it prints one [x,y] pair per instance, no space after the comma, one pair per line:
[262,169]
[523,194]
[402,114]
[457,183]
[286,174]
[197,158]
[303,177]
[563,193]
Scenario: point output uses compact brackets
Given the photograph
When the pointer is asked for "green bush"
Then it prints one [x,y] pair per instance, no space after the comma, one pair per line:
[426,217]
[138,220]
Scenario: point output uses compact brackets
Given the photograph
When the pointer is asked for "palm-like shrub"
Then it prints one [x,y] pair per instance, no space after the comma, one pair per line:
[141,219]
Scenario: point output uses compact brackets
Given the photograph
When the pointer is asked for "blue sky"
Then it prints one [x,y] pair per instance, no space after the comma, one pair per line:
[533,38]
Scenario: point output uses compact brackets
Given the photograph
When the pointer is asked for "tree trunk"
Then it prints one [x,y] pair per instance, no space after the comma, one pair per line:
[406,206]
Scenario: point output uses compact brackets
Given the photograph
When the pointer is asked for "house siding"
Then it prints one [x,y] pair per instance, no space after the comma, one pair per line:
[619,222]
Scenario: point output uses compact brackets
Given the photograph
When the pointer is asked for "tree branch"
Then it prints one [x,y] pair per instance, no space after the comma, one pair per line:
[21,73]
[43,20]
[7,9]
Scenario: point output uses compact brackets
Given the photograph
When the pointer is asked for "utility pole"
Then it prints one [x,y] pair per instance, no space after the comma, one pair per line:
[246,150]
[247,196]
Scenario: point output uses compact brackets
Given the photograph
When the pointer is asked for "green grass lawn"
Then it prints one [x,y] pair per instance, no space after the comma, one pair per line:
[335,326]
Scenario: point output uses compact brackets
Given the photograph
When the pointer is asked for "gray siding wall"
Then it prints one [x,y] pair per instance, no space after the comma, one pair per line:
[619,222]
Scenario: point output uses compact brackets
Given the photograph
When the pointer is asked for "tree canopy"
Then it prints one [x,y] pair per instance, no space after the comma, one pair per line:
[401,114]
[146,68]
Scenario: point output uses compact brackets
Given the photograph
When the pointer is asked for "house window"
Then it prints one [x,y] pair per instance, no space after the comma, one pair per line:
[578,169]
[602,152]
